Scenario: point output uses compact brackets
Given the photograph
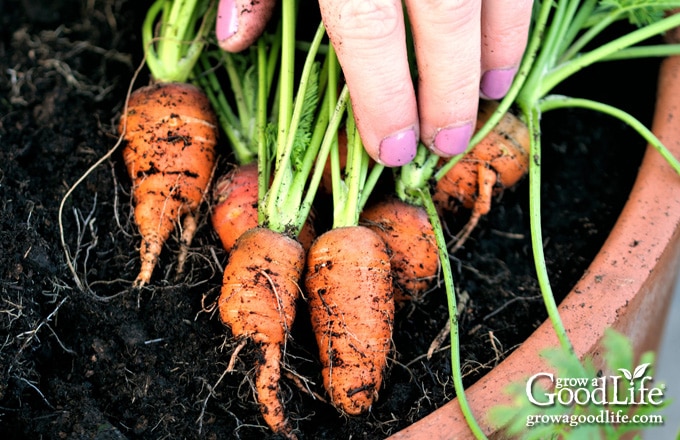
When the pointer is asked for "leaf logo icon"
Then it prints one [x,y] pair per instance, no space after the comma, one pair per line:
[636,374]
[640,371]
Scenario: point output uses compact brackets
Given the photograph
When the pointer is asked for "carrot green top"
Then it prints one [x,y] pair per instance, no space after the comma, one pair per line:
[172,53]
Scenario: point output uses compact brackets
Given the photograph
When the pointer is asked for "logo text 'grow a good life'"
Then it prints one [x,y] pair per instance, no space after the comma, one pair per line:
[632,388]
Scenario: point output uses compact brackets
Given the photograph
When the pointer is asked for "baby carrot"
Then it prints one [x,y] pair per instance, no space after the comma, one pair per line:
[408,234]
[349,290]
[262,276]
[170,130]
[171,134]
[257,302]
[497,162]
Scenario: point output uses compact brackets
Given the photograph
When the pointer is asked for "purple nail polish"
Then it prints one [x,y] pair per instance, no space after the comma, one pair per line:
[398,149]
[453,140]
[227,19]
[495,83]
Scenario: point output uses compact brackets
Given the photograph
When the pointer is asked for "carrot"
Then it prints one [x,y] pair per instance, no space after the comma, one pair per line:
[235,197]
[235,204]
[261,279]
[348,284]
[170,131]
[257,302]
[499,161]
[349,288]
[408,234]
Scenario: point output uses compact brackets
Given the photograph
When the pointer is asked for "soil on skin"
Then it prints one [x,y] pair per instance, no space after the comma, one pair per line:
[107,362]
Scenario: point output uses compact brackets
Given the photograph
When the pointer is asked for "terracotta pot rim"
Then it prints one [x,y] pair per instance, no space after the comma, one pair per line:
[618,287]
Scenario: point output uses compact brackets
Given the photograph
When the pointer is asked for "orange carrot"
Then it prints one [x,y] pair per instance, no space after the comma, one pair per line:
[257,302]
[349,288]
[235,200]
[409,236]
[499,161]
[171,132]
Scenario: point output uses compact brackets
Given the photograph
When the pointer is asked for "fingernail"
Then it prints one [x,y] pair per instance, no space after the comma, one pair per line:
[453,140]
[495,83]
[227,19]
[398,149]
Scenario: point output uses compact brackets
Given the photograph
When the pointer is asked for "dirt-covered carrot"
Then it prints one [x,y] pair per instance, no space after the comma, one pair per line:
[497,162]
[170,131]
[408,234]
[262,277]
[257,302]
[235,204]
[235,210]
[349,290]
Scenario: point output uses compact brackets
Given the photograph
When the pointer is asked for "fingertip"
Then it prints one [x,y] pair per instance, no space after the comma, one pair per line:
[398,149]
[451,141]
[495,83]
[226,24]
[238,26]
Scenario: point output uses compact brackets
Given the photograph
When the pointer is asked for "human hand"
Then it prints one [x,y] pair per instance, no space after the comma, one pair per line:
[464,49]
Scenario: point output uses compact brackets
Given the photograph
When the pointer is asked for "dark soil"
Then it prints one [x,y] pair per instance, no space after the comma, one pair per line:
[109,362]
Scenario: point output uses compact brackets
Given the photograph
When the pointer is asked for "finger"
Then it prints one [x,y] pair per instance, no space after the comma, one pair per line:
[369,39]
[505,28]
[447,45]
[241,22]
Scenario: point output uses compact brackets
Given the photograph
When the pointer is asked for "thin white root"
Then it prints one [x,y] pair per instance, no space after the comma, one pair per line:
[234,355]
[464,234]
[80,180]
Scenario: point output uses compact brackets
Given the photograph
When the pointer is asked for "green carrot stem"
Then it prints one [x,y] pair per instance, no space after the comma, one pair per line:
[550,40]
[656,50]
[428,204]
[263,164]
[552,102]
[357,164]
[172,54]
[287,78]
[371,181]
[568,47]
[532,116]
[282,202]
[331,106]
[562,72]
[586,37]
[237,127]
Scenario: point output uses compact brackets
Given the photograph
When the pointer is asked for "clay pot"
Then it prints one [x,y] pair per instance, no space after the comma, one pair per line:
[628,286]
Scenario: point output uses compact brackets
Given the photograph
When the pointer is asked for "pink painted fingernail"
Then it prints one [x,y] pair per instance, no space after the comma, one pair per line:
[453,140]
[495,83]
[398,149]
[227,19]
